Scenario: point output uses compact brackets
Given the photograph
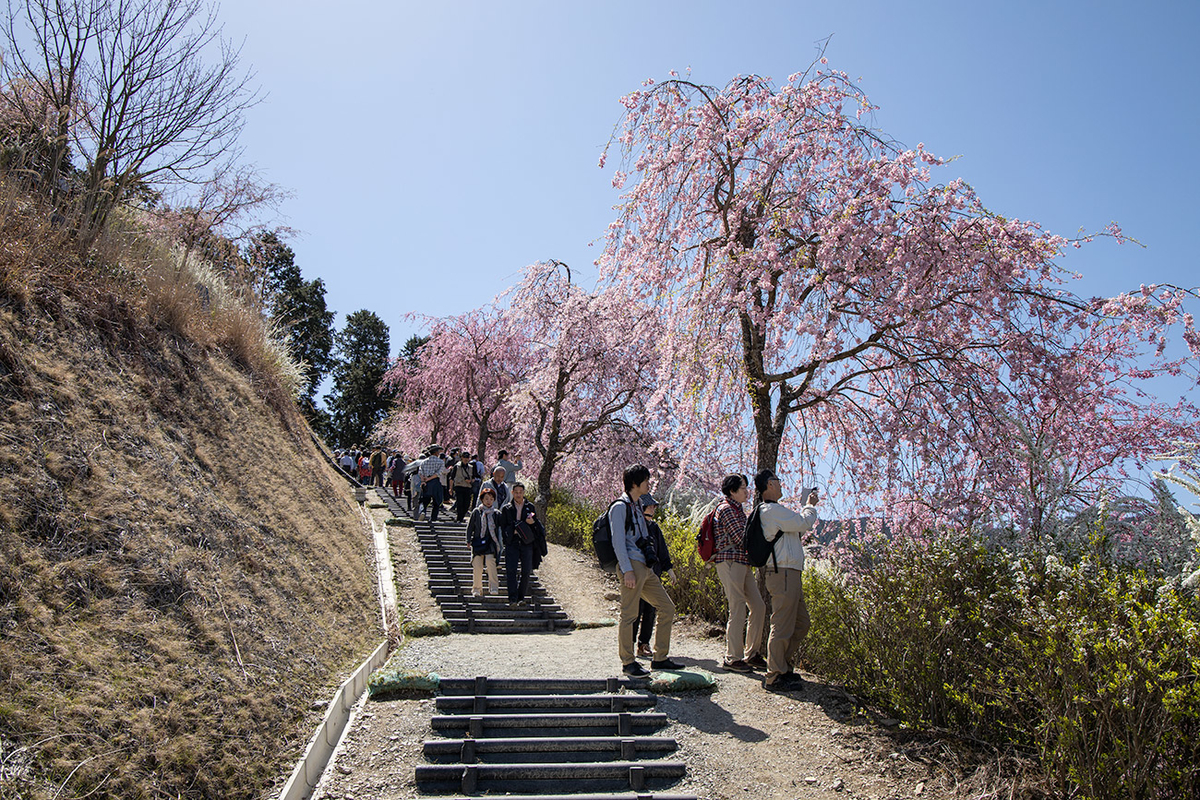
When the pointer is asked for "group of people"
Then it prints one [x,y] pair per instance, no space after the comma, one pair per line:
[432,479]
[503,524]
[642,559]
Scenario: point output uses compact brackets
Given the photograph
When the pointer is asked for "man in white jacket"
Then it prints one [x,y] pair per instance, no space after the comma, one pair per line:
[783,574]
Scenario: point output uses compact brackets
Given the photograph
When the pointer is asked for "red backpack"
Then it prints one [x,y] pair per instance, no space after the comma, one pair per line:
[706,539]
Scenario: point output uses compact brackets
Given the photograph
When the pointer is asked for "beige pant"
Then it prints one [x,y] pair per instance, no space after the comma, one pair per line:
[649,588]
[789,619]
[478,564]
[741,592]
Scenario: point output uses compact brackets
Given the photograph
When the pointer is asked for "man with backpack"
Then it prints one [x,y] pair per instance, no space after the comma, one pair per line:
[781,528]
[432,469]
[497,484]
[636,556]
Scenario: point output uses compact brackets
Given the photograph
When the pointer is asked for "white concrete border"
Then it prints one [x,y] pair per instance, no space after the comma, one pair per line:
[312,764]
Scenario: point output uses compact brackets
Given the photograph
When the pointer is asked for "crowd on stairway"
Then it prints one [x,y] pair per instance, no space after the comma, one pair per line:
[502,524]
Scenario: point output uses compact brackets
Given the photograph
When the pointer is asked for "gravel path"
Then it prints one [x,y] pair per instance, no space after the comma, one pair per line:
[739,742]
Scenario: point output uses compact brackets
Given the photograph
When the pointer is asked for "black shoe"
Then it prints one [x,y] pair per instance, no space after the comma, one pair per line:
[666,663]
[634,668]
[756,661]
[787,682]
[736,666]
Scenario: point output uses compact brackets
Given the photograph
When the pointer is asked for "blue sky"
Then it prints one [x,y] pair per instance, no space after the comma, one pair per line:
[435,149]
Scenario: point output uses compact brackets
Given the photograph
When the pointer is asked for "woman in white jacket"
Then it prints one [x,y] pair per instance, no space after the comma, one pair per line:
[783,574]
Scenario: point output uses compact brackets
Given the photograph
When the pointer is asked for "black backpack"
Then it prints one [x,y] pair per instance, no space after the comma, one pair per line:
[602,538]
[758,549]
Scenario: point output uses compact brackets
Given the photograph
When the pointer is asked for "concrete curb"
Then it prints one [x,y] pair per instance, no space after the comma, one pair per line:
[311,766]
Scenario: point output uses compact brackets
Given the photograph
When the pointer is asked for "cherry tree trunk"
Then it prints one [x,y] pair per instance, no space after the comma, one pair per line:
[545,473]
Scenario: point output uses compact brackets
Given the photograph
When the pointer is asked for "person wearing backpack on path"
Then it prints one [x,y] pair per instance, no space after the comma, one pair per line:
[737,579]
[784,573]
[634,547]
[644,625]
[432,470]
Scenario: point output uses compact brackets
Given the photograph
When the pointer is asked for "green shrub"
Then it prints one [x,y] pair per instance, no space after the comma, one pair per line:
[696,589]
[569,521]
[1092,667]
[418,628]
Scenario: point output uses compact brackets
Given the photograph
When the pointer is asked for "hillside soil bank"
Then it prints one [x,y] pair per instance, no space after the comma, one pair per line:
[182,576]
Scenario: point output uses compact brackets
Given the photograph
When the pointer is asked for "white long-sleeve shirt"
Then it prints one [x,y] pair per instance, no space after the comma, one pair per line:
[789,550]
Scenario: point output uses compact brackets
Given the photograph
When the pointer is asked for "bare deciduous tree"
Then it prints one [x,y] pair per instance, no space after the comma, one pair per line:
[148,92]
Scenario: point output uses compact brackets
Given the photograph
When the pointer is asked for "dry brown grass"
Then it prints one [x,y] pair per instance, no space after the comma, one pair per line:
[181,575]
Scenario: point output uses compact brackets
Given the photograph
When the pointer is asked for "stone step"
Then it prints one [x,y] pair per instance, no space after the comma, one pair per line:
[511,626]
[483,684]
[545,703]
[478,726]
[599,748]
[474,778]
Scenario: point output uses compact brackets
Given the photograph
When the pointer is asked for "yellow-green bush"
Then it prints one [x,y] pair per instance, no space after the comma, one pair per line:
[1092,667]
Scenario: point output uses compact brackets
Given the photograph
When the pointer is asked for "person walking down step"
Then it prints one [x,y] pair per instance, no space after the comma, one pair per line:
[497,484]
[462,476]
[644,625]
[431,471]
[743,644]
[483,535]
[784,572]
[636,557]
[524,544]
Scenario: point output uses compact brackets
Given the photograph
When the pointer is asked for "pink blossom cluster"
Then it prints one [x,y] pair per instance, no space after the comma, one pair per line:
[826,301]
[786,287]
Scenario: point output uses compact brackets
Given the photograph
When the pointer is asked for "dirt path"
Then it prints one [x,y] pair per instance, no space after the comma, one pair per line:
[739,742]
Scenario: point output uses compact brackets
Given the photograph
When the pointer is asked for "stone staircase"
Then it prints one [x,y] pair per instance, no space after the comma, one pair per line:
[549,738]
[448,560]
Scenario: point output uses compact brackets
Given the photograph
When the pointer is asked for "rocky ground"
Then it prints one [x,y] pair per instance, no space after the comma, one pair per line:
[741,741]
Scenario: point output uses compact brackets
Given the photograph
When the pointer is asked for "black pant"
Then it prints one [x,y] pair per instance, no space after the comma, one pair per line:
[462,502]
[643,626]
[433,498]
[518,565]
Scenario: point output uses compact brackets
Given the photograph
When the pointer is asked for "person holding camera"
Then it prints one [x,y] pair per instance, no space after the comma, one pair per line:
[644,626]
[783,575]
[636,557]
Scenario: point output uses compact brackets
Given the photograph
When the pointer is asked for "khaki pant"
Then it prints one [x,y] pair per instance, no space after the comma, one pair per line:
[789,619]
[741,592]
[649,588]
[478,564]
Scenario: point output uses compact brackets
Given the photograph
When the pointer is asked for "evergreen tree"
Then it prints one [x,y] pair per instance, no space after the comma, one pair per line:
[357,404]
[299,306]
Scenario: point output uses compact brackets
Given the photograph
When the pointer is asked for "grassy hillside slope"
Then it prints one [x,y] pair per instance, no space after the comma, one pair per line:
[181,574]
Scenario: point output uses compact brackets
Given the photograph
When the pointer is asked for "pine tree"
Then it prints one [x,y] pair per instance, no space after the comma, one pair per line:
[356,404]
